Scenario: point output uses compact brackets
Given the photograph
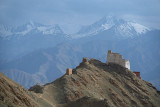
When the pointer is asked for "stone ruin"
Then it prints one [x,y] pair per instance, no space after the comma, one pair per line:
[85,59]
[68,71]
[117,59]
[111,58]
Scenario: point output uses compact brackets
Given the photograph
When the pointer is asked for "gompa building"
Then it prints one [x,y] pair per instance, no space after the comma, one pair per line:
[117,59]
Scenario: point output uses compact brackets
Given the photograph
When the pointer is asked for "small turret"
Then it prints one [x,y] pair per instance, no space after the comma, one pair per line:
[85,59]
[109,51]
[68,71]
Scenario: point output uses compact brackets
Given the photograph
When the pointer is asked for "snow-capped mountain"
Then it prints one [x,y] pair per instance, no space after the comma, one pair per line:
[20,40]
[30,27]
[120,27]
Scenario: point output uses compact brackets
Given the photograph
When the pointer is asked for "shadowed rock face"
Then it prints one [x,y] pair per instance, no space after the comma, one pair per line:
[94,83]
[37,89]
[89,102]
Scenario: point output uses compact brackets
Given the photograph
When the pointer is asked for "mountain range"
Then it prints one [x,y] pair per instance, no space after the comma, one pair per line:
[42,55]
[18,41]
[120,27]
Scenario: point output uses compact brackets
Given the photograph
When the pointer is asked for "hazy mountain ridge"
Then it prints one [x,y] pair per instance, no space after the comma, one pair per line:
[121,27]
[24,78]
[70,54]
[142,50]
[28,38]
[23,30]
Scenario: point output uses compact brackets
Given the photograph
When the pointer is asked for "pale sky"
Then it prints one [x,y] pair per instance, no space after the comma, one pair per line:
[71,14]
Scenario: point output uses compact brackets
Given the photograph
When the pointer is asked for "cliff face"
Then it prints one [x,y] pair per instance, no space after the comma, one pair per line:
[94,83]
[91,84]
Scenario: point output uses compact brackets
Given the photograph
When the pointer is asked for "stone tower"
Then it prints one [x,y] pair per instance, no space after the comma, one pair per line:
[118,59]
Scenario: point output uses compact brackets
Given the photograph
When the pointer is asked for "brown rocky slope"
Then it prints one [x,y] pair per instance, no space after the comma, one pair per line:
[97,84]
[91,84]
[14,95]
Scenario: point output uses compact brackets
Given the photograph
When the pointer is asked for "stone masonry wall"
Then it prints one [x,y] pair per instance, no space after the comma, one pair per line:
[117,58]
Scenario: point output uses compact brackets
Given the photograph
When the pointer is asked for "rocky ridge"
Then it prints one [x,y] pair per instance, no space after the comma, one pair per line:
[94,83]
[91,84]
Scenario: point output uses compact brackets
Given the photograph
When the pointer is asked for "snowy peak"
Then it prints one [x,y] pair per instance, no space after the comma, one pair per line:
[103,24]
[50,29]
[130,29]
[44,29]
[139,28]
[121,27]
[24,29]
[30,27]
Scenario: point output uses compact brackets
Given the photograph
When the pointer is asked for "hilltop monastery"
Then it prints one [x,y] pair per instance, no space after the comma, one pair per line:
[118,59]
[111,58]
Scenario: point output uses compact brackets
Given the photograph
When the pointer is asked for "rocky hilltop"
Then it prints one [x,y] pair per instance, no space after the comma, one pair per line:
[91,84]
[94,83]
